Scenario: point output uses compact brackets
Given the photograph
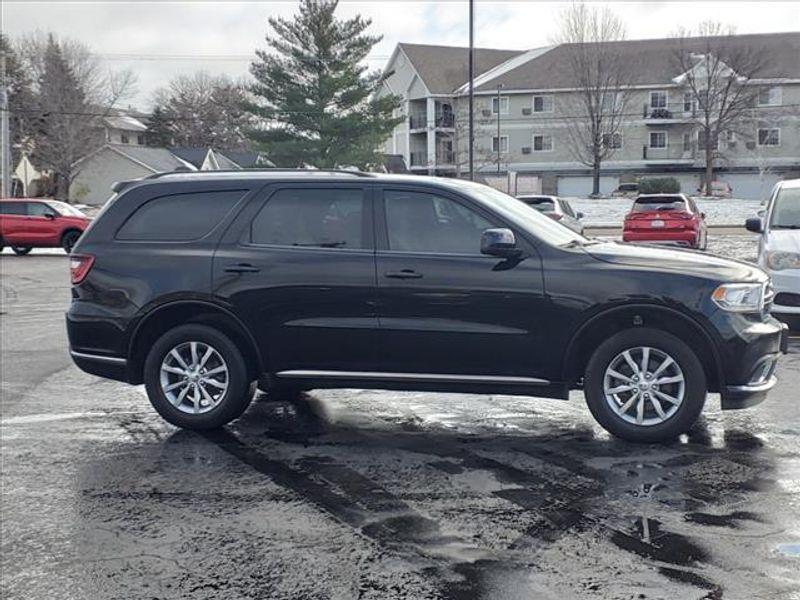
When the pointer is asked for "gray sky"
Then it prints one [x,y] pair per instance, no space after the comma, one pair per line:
[159,40]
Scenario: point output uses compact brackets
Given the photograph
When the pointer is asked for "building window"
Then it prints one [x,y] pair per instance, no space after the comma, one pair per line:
[542,104]
[689,104]
[769,96]
[610,102]
[701,140]
[769,136]
[658,139]
[658,99]
[503,106]
[140,139]
[542,143]
[687,142]
[123,137]
[503,143]
[612,140]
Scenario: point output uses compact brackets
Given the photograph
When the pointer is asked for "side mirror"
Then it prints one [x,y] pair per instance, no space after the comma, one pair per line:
[499,242]
[754,224]
[702,215]
[49,216]
[579,215]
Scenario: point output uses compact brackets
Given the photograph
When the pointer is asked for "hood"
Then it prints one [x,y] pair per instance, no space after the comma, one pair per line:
[784,240]
[681,261]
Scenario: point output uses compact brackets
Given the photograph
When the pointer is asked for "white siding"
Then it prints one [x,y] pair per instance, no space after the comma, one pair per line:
[98,173]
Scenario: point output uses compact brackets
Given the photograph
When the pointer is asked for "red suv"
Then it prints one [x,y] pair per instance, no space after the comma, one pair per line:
[27,224]
[666,219]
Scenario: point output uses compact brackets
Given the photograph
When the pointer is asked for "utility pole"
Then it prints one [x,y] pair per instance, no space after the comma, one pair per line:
[471,134]
[5,138]
[499,139]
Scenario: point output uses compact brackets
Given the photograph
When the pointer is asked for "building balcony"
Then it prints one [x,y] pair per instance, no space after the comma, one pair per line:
[419,159]
[667,156]
[445,121]
[677,112]
[417,122]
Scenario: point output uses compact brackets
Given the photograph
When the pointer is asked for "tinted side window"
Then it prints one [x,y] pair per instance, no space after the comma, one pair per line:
[38,209]
[323,218]
[422,222]
[179,217]
[12,208]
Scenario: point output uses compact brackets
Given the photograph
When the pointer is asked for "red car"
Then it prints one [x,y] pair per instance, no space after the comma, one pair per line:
[666,219]
[28,223]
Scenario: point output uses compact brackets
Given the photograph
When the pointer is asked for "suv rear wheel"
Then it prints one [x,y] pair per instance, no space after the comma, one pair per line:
[196,378]
[69,239]
[645,385]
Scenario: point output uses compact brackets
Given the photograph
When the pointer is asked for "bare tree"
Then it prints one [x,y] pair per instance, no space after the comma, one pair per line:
[72,94]
[205,110]
[595,112]
[483,155]
[717,75]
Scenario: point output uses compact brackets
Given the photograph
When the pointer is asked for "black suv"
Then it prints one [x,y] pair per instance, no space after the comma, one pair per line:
[202,284]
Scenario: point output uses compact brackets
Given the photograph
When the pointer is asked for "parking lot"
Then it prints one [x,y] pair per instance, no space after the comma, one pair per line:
[362,494]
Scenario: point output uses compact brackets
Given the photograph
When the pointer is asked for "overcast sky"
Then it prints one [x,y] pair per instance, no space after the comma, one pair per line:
[159,40]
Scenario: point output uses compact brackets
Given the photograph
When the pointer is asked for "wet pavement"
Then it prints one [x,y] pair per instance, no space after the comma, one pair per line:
[364,494]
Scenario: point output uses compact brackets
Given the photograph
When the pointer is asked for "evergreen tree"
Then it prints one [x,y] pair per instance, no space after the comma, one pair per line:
[314,98]
[159,131]
[20,99]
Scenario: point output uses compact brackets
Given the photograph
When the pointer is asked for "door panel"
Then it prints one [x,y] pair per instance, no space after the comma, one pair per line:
[304,291]
[454,312]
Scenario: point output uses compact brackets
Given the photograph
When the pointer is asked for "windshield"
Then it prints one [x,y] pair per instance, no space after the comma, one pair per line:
[541,205]
[546,229]
[786,210]
[659,204]
[65,209]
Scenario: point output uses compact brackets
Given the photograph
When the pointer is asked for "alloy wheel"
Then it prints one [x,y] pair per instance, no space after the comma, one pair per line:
[194,377]
[644,386]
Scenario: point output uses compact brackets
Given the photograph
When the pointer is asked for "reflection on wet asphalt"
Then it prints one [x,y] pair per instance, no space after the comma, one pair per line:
[361,494]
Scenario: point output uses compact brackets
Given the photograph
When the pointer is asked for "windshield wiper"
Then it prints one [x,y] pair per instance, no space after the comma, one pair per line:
[785,226]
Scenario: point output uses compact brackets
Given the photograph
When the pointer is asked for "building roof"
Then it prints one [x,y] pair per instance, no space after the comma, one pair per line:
[125,122]
[444,68]
[652,61]
[156,159]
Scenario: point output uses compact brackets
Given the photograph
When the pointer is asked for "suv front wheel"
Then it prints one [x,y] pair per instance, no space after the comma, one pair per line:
[196,378]
[645,385]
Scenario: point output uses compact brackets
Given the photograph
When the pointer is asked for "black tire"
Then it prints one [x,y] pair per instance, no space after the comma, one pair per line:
[69,239]
[236,397]
[21,250]
[694,380]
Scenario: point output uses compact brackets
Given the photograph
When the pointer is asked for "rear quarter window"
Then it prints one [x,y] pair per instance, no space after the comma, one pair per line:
[13,208]
[179,217]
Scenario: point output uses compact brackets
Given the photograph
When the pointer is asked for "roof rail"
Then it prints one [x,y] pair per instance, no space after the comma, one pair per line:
[263,170]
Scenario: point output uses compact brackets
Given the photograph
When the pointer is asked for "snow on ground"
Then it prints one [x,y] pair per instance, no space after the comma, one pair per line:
[605,212]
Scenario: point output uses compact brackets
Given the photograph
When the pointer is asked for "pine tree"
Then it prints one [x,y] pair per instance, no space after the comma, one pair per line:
[159,131]
[314,98]
[20,99]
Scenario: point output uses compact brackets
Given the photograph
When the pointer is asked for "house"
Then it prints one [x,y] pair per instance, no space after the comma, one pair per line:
[125,128]
[98,171]
[531,94]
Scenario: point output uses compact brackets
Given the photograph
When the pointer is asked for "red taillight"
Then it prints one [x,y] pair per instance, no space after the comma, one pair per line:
[79,267]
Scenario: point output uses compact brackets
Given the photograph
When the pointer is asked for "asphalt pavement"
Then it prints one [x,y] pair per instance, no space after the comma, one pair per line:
[365,494]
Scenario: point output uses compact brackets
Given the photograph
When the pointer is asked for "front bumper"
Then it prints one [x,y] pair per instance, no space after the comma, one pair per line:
[786,284]
[756,366]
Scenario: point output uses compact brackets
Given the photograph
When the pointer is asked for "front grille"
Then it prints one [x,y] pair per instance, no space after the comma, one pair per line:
[787,299]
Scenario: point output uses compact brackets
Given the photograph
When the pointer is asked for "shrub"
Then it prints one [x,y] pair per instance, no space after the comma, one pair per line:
[659,185]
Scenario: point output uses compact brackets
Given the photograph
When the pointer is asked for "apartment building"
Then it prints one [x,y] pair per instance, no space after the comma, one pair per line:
[530,96]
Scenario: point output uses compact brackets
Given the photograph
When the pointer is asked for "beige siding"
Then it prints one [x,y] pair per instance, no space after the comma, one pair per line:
[99,172]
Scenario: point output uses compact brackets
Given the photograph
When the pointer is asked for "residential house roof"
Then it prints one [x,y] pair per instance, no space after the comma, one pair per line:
[125,122]
[652,61]
[444,68]
[156,159]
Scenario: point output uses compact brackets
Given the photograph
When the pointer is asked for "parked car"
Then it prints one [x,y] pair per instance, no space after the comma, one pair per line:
[779,247]
[672,219]
[26,224]
[200,284]
[626,190]
[557,209]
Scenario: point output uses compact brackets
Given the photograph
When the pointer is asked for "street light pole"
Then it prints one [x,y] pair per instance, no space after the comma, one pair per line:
[5,141]
[471,133]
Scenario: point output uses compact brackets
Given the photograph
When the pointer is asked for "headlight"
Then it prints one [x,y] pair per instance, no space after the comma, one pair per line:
[739,297]
[777,261]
